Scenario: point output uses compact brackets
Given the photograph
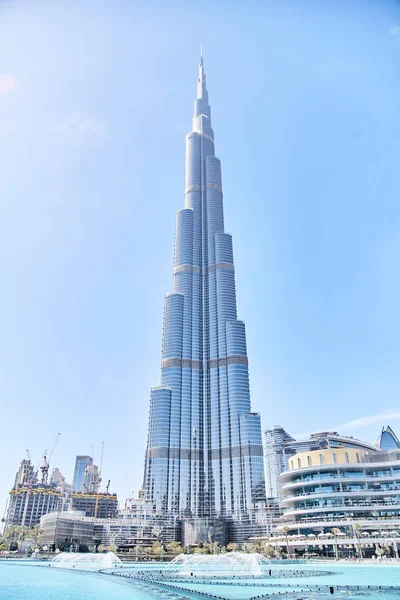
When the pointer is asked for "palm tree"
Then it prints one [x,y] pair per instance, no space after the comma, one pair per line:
[286,530]
[35,533]
[357,529]
[335,532]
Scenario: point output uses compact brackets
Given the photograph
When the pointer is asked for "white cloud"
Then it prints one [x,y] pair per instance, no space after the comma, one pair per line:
[7,83]
[395,30]
[79,128]
[383,418]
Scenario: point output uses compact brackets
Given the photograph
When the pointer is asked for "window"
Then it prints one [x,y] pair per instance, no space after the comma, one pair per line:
[334,457]
[357,457]
[321,459]
[309,461]
[346,454]
[299,463]
[291,464]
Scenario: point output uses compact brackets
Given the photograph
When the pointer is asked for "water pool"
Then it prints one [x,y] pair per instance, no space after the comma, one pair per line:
[306,586]
[30,581]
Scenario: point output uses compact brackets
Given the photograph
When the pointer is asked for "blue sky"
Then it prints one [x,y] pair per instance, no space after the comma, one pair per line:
[95,100]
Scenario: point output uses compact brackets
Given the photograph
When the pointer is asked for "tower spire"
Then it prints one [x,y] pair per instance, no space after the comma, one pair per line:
[201,54]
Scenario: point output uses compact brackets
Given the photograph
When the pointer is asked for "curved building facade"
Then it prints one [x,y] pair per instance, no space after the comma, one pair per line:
[337,487]
[280,446]
[204,456]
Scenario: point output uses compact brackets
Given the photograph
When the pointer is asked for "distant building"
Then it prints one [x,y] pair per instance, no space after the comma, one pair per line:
[90,479]
[65,488]
[57,477]
[29,503]
[280,446]
[277,440]
[387,439]
[107,504]
[81,463]
[29,499]
[25,473]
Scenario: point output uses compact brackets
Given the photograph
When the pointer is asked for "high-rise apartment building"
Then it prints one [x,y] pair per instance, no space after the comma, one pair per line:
[81,463]
[204,457]
[276,441]
[30,499]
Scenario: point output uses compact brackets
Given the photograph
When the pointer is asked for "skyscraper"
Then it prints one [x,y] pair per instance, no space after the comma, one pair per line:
[204,456]
[81,463]
[276,440]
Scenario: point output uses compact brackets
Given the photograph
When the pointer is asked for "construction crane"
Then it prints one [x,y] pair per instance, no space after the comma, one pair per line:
[98,482]
[33,477]
[108,485]
[46,461]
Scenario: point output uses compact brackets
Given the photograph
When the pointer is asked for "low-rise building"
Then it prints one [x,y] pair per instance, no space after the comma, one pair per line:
[72,529]
[67,530]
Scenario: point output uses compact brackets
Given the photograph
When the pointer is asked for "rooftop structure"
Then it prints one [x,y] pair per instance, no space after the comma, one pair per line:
[204,456]
[387,439]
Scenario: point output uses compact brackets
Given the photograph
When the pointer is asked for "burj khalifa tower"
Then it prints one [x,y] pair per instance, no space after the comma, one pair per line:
[204,456]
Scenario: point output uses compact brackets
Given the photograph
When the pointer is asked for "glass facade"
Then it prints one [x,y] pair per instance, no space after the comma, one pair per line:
[204,455]
[332,495]
[81,463]
[387,439]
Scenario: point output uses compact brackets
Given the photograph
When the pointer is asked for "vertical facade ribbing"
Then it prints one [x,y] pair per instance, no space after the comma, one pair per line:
[208,460]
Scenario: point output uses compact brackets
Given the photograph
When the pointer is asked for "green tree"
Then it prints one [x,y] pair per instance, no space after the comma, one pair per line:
[34,533]
[258,547]
[174,548]
[269,551]
[232,547]
[156,548]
